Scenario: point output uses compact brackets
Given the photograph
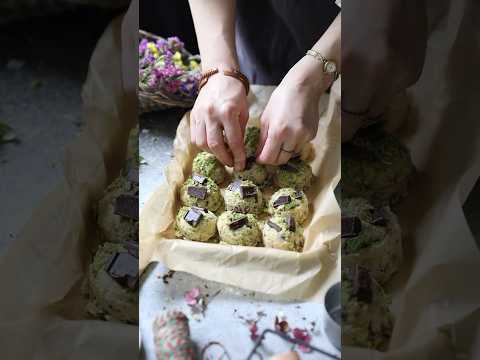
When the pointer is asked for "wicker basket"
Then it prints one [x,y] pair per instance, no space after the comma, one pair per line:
[158,100]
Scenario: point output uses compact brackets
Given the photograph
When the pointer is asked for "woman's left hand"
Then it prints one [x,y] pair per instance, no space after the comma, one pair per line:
[291,116]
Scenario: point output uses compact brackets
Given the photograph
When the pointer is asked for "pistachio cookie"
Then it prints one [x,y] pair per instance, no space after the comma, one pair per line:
[288,201]
[254,172]
[282,232]
[117,210]
[366,318]
[371,237]
[243,196]
[113,282]
[197,224]
[202,192]
[375,166]
[252,137]
[238,229]
[206,164]
[294,174]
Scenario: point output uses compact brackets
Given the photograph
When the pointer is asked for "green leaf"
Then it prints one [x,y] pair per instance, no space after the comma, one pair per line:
[141,160]
[6,133]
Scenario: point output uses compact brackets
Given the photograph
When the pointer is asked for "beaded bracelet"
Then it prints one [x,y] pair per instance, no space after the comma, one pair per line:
[233,73]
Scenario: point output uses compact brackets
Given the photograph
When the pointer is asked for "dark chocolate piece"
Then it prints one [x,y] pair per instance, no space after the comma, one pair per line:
[291,223]
[126,206]
[298,194]
[199,179]
[193,217]
[274,226]
[123,268]
[234,186]
[197,192]
[351,226]
[237,224]
[282,200]
[379,217]
[362,285]
[289,167]
[248,191]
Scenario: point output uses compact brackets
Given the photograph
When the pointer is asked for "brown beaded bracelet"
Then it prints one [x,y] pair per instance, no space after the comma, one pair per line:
[233,73]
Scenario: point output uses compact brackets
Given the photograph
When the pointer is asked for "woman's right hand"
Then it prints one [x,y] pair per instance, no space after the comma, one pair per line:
[218,119]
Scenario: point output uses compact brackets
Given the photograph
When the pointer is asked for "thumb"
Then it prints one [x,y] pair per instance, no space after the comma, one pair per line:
[263,135]
[243,120]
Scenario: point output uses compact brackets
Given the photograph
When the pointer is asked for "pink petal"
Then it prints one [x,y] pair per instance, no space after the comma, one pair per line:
[304,349]
[253,331]
[195,292]
[191,297]
[302,335]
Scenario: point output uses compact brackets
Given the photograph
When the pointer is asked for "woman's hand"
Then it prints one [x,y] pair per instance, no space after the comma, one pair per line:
[382,55]
[291,116]
[218,120]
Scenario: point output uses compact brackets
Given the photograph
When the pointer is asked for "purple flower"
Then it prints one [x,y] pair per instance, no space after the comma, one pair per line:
[142,46]
[175,43]
[162,45]
[172,85]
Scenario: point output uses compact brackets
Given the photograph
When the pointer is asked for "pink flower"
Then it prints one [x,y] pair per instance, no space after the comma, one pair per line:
[191,297]
[302,335]
[172,86]
[253,330]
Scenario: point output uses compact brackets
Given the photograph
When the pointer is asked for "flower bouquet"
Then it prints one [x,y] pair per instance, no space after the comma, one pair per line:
[168,74]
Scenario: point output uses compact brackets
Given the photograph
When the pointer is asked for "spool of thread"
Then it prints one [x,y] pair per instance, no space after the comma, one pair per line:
[172,337]
[291,355]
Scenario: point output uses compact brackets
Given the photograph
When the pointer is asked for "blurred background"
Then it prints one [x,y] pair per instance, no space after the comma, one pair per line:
[46,47]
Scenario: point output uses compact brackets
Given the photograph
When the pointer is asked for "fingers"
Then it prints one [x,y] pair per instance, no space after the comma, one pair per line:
[270,150]
[287,149]
[192,129]
[234,137]
[198,132]
[243,119]
[216,143]
[263,137]
[290,138]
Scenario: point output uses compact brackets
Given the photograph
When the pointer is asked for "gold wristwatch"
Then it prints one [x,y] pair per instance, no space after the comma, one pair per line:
[329,66]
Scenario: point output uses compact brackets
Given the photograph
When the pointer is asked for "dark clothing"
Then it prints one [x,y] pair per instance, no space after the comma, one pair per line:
[271,35]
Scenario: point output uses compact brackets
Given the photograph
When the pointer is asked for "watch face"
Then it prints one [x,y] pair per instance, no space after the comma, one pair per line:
[330,67]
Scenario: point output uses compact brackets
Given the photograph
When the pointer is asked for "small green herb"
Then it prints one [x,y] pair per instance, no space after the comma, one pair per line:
[6,133]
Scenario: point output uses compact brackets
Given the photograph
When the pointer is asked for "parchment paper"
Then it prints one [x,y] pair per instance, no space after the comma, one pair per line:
[41,314]
[270,271]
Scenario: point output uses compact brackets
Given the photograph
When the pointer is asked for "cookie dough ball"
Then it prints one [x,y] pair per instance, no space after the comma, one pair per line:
[238,229]
[117,210]
[202,192]
[288,201]
[254,172]
[113,283]
[206,164]
[196,224]
[294,174]
[375,166]
[252,136]
[371,237]
[282,232]
[366,319]
[243,196]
